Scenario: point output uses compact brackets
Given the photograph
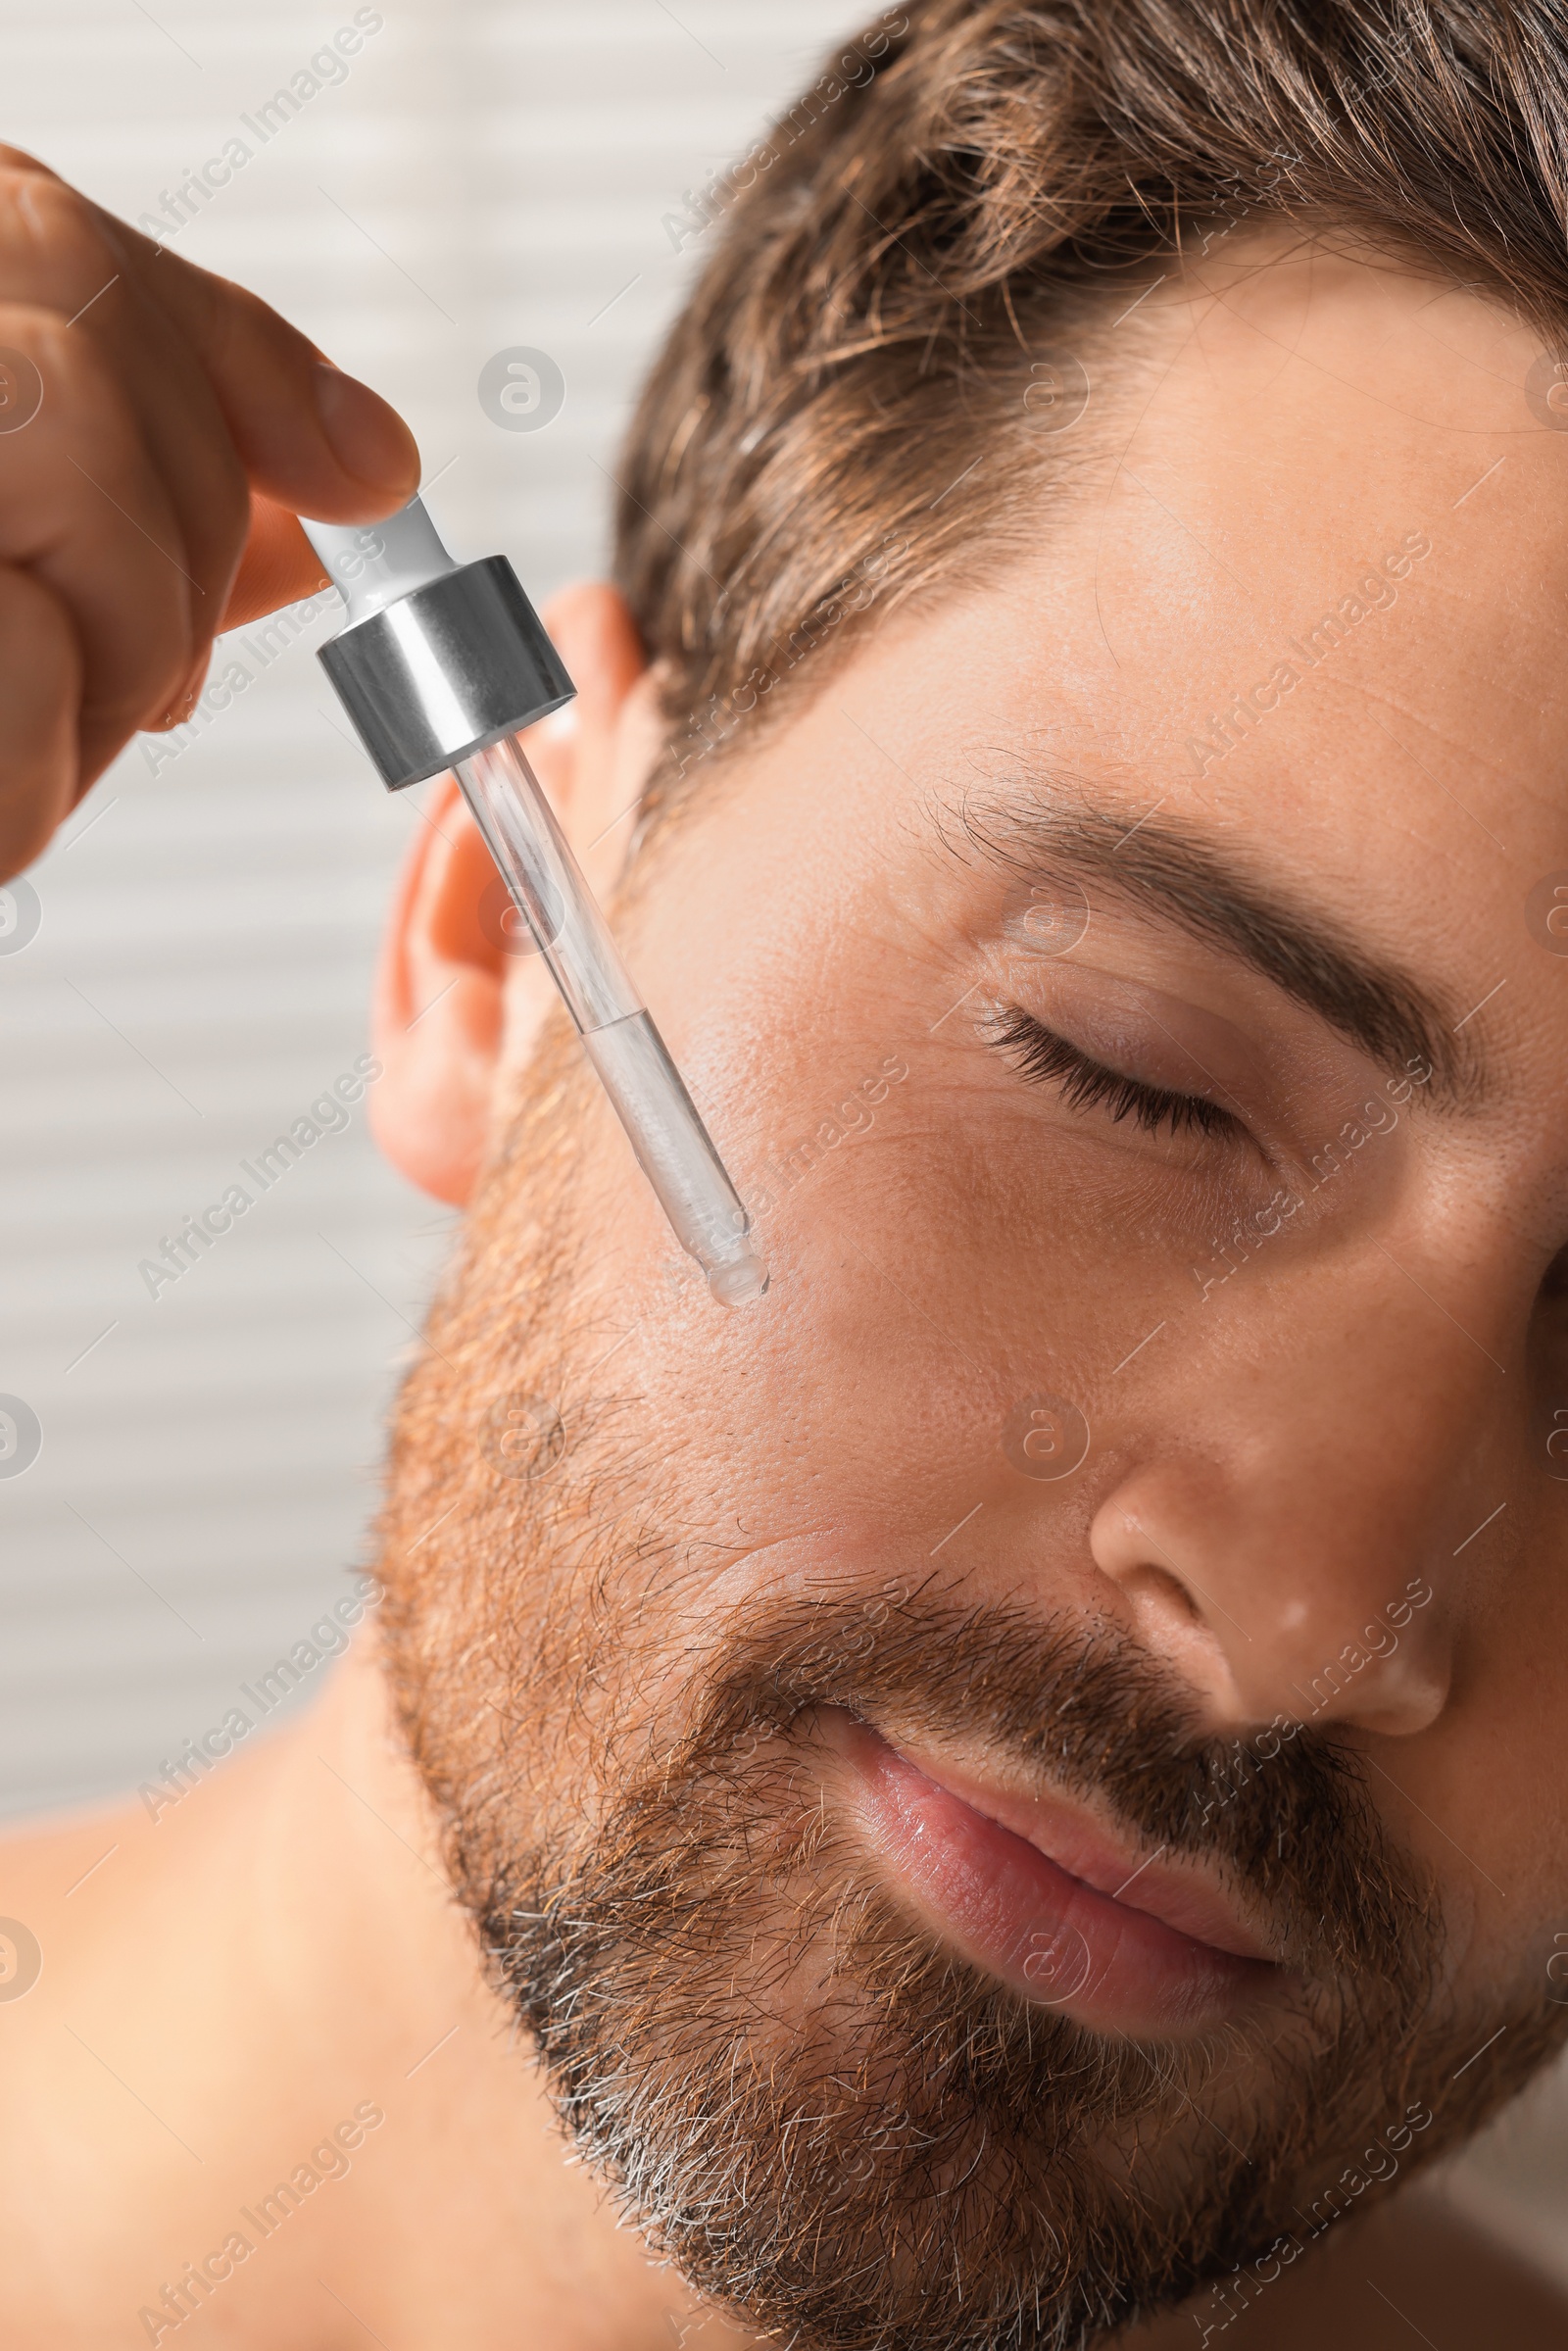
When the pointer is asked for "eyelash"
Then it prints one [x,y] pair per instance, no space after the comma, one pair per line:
[1046,1059]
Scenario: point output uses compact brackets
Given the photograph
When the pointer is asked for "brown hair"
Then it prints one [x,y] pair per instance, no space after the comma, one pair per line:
[907,275]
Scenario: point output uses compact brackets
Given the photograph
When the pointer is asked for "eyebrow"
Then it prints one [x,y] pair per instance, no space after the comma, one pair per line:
[1176,876]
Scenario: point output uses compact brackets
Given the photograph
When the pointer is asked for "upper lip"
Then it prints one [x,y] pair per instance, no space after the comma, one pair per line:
[1183,1894]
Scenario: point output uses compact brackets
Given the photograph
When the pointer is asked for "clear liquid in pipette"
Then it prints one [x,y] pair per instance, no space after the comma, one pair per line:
[661,1122]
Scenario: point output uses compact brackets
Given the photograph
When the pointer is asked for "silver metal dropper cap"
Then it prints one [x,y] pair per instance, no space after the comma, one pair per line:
[438,658]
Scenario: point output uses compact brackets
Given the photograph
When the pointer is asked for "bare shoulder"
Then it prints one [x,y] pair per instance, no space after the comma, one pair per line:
[1417,2271]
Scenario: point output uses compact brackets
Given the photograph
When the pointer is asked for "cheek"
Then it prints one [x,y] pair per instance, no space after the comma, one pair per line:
[865,1412]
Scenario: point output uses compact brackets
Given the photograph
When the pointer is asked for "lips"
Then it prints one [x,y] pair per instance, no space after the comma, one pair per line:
[1038,1896]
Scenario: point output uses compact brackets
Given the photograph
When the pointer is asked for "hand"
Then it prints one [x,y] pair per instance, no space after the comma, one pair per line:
[159,430]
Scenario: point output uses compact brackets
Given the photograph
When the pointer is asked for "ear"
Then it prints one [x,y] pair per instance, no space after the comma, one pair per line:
[460,991]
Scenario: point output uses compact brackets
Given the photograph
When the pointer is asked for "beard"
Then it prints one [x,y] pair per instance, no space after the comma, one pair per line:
[832,2123]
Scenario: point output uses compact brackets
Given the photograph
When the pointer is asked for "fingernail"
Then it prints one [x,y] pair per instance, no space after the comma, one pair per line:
[369,439]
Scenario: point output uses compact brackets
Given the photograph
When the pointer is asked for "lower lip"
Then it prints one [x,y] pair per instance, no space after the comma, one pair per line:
[1043,1932]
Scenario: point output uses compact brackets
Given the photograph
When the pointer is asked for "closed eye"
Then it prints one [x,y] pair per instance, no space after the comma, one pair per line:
[1084,1084]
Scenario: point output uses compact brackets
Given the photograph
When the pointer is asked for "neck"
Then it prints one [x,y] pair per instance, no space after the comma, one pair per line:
[307,2105]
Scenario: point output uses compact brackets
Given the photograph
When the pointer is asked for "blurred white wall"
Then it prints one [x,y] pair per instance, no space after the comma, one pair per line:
[482,179]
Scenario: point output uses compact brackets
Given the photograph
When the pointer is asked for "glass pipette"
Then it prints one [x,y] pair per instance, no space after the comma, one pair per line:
[440,666]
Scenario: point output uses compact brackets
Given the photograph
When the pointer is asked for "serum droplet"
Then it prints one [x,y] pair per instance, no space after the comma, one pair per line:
[739,1283]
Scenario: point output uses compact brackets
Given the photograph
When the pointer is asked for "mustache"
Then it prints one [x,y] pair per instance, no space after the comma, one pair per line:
[1285,1816]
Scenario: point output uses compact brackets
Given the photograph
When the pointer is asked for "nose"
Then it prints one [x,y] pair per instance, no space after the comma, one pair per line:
[1299,1526]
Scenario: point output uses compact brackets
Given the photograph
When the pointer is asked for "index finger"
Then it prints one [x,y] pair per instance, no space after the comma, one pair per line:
[309,437]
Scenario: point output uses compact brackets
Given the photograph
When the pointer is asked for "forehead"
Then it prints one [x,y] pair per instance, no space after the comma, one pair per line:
[1301,583]
[1334,524]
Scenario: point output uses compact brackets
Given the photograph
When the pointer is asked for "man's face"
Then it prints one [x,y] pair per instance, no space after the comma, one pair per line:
[998,1773]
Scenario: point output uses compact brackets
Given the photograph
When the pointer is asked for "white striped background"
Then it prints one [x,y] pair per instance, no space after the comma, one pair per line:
[485,177]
